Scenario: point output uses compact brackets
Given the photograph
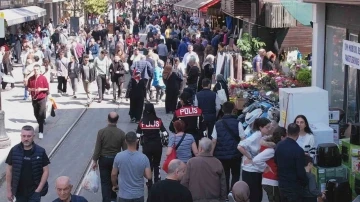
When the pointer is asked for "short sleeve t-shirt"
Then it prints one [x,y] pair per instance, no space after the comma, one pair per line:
[184,150]
[131,166]
[256,59]
[26,183]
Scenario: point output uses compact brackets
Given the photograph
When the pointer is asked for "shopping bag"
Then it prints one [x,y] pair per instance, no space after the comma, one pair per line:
[53,103]
[169,158]
[91,182]
[7,78]
[222,95]
[52,113]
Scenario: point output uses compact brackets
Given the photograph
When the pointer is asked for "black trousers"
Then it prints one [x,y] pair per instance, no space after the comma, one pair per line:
[231,166]
[40,112]
[210,126]
[136,108]
[253,180]
[290,195]
[163,58]
[117,87]
[62,83]
[153,151]
[101,81]
[171,100]
[148,87]
[105,168]
[273,193]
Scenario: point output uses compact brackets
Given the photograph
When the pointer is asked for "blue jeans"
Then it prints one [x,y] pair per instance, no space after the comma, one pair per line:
[141,199]
[26,93]
[35,197]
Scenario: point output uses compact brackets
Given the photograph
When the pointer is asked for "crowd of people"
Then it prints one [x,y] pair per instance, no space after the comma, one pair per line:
[176,60]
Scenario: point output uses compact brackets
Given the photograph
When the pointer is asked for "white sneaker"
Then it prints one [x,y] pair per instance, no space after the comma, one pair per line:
[41,136]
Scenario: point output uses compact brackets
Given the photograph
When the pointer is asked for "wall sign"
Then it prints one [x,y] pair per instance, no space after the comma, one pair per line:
[351,54]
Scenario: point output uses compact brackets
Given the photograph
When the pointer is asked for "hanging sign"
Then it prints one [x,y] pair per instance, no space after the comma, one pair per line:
[351,54]
[2,25]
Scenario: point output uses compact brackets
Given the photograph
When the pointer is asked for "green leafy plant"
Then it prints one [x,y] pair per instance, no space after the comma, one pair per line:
[97,7]
[249,45]
[303,76]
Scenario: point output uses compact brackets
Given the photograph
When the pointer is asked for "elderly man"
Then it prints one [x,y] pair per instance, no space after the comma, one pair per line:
[63,188]
[170,189]
[205,176]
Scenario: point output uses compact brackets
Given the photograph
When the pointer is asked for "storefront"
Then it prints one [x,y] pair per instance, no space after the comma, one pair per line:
[16,16]
[333,23]
[198,7]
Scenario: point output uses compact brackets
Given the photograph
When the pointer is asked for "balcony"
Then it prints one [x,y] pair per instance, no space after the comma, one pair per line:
[276,16]
[238,8]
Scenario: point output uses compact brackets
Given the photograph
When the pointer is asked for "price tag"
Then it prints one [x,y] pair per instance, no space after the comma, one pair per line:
[2,15]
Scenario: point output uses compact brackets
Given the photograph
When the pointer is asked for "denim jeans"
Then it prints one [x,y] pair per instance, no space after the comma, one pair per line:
[141,199]
[26,93]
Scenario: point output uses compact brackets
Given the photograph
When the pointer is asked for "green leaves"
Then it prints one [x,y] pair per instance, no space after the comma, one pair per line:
[249,45]
[97,7]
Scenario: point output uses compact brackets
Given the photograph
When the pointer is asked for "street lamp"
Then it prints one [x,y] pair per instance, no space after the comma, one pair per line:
[4,139]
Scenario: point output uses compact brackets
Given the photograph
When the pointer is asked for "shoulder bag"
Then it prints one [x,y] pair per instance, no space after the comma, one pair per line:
[172,155]
[233,134]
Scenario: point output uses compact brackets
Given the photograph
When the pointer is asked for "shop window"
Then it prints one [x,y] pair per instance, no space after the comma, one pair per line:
[352,83]
[334,68]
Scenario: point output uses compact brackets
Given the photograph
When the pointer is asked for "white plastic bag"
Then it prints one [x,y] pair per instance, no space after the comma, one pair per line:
[222,95]
[91,182]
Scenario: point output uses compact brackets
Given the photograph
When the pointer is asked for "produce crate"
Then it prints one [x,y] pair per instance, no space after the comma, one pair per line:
[322,175]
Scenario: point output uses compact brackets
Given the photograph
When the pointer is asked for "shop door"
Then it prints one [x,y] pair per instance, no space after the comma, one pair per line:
[353,89]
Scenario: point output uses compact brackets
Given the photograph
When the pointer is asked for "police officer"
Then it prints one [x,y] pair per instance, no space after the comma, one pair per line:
[191,115]
[148,130]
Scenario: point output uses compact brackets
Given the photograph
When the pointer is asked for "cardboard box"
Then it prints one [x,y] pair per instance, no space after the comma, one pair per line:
[322,175]
[312,102]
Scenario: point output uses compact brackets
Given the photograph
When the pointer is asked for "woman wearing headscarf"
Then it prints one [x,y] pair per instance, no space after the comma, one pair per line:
[240,192]
[136,92]
[207,70]
[172,81]
[221,84]
[149,129]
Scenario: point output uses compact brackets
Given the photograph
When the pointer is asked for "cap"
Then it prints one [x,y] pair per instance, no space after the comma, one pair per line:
[131,137]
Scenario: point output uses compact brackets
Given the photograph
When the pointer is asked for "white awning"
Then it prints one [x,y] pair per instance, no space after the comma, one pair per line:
[20,15]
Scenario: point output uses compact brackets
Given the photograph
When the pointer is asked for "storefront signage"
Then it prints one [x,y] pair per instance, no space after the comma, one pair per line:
[351,54]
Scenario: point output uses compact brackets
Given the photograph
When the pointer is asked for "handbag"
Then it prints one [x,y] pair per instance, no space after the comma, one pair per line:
[7,78]
[172,155]
[222,95]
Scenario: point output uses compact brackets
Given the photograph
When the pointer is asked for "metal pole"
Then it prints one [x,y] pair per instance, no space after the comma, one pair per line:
[74,8]
[4,139]
[113,6]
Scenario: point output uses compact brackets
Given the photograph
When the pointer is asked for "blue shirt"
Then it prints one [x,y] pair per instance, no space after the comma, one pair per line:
[256,59]
[74,198]
[182,49]
[184,150]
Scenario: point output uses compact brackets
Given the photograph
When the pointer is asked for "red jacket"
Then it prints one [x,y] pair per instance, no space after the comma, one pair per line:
[271,163]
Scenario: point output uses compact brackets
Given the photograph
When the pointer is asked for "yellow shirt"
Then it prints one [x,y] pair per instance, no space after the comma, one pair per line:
[167,33]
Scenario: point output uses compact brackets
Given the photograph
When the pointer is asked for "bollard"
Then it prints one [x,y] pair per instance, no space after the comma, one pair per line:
[4,139]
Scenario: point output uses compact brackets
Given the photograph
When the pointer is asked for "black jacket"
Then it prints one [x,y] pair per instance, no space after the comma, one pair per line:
[37,169]
[290,160]
[75,71]
[117,70]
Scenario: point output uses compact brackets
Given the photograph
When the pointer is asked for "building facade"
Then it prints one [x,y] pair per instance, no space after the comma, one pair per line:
[333,22]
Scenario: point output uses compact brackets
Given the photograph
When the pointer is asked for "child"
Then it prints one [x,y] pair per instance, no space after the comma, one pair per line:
[311,192]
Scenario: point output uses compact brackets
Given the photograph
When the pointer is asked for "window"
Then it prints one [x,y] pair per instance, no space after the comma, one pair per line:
[352,83]
[334,68]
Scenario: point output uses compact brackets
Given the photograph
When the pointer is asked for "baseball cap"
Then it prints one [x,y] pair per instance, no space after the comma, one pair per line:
[131,137]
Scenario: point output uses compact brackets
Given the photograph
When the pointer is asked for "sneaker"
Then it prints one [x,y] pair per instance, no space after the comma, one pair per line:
[133,120]
[41,136]
[137,121]
[74,96]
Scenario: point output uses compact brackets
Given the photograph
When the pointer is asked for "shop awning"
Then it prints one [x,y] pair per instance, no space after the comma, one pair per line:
[302,12]
[206,6]
[191,4]
[20,15]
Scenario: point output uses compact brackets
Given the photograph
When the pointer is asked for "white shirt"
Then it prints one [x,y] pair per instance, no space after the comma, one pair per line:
[306,140]
[260,161]
[40,54]
[181,68]
[240,127]
[252,146]
[187,58]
